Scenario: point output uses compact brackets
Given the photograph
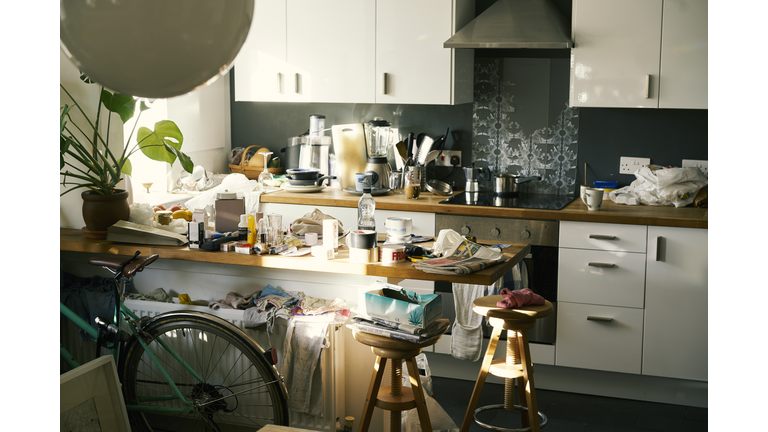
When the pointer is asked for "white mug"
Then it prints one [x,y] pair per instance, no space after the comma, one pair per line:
[592,198]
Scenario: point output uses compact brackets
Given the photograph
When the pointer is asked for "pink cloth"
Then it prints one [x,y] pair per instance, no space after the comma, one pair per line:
[517,298]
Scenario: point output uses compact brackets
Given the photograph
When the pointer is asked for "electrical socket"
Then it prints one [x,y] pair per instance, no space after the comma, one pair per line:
[444,158]
[628,165]
[693,163]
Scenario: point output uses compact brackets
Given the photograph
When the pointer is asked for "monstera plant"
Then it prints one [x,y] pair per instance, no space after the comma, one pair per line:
[87,162]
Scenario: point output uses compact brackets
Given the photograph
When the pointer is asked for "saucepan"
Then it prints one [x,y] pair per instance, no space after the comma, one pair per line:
[306,177]
[509,184]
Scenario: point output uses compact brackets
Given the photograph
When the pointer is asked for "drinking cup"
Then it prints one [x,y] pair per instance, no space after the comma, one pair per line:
[592,198]
[363,180]
[412,191]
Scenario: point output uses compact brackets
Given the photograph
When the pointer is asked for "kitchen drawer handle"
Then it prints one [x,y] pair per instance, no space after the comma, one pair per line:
[384,83]
[602,237]
[659,247]
[279,82]
[297,84]
[648,86]
[606,265]
[601,319]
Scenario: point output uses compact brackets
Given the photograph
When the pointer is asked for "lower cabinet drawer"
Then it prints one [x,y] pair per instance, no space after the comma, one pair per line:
[601,278]
[604,338]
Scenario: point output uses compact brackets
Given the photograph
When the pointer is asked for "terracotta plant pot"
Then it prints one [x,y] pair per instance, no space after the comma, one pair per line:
[102,211]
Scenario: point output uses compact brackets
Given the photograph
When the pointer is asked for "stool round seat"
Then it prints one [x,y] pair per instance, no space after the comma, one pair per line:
[486,306]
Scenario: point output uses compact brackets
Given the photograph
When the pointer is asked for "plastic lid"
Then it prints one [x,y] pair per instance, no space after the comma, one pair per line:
[378,121]
[606,184]
[366,190]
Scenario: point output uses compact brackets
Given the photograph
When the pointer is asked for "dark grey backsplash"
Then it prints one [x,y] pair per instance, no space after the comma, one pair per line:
[519,123]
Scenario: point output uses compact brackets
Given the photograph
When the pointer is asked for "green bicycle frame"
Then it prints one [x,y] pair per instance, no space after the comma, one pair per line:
[93,332]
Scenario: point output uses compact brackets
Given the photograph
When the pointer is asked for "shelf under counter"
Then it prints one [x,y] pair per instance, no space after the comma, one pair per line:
[75,241]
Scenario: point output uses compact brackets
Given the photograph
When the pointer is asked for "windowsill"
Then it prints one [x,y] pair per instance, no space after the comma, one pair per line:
[157,198]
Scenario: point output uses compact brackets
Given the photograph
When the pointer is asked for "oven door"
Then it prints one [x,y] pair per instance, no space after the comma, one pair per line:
[541,269]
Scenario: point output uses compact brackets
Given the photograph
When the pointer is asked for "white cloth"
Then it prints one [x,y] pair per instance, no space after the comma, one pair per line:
[467,331]
[237,183]
[300,365]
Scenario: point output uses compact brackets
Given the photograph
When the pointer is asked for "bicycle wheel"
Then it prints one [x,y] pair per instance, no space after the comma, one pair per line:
[236,388]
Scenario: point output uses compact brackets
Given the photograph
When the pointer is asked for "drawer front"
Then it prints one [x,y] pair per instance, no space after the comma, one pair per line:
[601,277]
[603,338]
[601,236]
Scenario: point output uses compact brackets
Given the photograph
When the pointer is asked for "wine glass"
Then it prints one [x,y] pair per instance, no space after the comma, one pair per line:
[265,175]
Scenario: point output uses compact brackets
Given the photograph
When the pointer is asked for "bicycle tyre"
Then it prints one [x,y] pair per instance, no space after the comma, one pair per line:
[203,341]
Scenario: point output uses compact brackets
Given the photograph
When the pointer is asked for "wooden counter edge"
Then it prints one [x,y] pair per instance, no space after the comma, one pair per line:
[72,240]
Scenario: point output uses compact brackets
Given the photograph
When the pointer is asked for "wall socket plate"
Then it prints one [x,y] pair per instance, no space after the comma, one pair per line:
[444,158]
[693,163]
[628,165]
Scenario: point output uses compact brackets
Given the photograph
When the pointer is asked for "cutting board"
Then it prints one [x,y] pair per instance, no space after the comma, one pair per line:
[349,145]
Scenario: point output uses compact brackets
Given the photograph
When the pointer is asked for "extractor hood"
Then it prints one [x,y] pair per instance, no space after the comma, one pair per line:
[515,24]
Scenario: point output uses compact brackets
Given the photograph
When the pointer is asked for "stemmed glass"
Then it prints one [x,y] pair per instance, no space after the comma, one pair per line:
[265,175]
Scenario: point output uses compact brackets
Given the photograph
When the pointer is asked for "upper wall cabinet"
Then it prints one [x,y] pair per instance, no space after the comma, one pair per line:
[355,51]
[639,54]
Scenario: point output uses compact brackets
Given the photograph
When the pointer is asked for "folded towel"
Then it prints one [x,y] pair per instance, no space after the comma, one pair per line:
[517,298]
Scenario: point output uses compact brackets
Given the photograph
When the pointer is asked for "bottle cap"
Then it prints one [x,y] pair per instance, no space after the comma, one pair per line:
[243,219]
[366,190]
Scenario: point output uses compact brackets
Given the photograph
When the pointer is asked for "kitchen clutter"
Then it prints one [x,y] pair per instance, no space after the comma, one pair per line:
[662,186]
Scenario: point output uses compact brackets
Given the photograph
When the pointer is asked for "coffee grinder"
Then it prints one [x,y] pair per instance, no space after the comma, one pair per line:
[378,136]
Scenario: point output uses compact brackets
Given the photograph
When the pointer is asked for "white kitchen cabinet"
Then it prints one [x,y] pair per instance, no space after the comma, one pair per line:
[623,57]
[412,67]
[601,289]
[675,334]
[308,51]
[356,51]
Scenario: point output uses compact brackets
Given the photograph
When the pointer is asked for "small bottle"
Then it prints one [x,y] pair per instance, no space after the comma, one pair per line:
[242,228]
[349,421]
[251,230]
[264,231]
[365,208]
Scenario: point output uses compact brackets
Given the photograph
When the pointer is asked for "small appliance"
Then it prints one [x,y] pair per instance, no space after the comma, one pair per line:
[472,175]
[378,136]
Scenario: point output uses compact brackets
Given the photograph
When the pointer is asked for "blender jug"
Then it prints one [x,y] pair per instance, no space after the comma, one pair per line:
[378,136]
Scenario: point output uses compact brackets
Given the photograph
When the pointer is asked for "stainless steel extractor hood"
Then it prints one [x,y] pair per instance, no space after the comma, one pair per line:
[515,24]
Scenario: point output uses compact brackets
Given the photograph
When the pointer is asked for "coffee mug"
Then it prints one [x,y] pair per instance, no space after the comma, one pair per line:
[592,198]
[412,191]
[363,180]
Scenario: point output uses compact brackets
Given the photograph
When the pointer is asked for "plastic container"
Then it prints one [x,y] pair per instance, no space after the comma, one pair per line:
[606,185]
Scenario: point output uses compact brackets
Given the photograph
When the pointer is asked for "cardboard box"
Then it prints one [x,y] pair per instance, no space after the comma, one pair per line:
[395,304]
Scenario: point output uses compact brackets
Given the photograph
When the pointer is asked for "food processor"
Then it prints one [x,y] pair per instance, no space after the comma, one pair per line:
[378,136]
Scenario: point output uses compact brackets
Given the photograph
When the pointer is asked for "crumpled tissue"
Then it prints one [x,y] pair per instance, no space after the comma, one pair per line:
[237,183]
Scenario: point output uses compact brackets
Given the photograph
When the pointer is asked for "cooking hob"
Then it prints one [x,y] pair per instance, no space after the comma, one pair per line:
[526,201]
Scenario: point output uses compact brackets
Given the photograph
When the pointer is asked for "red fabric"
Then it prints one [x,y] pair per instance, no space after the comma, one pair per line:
[518,298]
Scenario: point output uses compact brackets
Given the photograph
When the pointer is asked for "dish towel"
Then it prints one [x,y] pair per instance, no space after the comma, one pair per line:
[467,331]
[300,365]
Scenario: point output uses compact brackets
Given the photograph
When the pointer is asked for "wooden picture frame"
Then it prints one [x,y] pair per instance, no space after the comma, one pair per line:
[90,398]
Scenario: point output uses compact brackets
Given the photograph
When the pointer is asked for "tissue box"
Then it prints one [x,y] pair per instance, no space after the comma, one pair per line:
[392,303]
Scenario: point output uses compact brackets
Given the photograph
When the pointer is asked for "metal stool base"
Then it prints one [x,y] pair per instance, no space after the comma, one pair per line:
[542,423]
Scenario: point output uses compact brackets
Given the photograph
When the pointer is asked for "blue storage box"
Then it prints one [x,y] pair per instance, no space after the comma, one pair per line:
[395,304]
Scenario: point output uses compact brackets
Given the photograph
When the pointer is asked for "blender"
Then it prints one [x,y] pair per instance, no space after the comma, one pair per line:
[378,136]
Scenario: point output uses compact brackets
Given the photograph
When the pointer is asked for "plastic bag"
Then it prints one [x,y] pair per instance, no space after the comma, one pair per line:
[440,420]
[663,186]
[447,241]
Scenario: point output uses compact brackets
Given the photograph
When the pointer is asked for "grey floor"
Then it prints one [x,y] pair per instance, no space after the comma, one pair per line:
[569,412]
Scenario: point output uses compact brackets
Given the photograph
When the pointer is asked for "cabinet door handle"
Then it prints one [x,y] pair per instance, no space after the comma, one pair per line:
[659,246]
[601,319]
[296,90]
[602,237]
[648,86]
[384,83]
[279,82]
[605,265]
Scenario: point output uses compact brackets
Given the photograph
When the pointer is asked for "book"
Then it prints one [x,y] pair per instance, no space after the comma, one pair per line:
[129,232]
[381,330]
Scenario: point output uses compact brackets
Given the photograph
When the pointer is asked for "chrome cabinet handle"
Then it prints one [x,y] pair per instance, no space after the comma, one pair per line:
[659,247]
[601,319]
[384,83]
[605,265]
[602,237]
[279,82]
[297,83]
[648,86]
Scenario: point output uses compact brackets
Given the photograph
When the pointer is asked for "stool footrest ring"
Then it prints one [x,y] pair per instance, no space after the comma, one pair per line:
[501,429]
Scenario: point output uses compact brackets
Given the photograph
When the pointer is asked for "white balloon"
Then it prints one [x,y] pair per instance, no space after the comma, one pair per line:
[154,48]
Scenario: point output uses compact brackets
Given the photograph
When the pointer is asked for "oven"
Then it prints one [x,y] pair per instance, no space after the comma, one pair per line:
[540,265]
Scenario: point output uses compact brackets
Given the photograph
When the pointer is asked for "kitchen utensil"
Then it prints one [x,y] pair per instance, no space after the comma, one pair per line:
[472,174]
[505,184]
[401,157]
[374,191]
[592,198]
[303,189]
[377,137]
[439,187]
[265,175]
[363,180]
[396,182]
[314,153]
[302,175]
[424,148]
[349,145]
[431,156]
[412,191]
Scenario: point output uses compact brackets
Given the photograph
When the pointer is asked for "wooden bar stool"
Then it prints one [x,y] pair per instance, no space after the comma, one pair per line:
[394,398]
[516,365]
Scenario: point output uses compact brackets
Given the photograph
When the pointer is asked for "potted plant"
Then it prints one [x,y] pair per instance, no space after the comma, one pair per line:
[87,162]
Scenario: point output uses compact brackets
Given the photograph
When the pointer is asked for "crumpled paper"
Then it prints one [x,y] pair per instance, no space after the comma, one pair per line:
[237,183]
[662,186]
[312,223]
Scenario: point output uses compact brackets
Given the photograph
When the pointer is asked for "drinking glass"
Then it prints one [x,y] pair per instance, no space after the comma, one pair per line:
[265,175]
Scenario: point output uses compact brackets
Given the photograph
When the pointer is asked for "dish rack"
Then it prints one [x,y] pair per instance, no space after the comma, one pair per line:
[252,172]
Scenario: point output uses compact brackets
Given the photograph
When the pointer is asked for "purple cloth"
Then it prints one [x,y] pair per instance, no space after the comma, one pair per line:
[518,298]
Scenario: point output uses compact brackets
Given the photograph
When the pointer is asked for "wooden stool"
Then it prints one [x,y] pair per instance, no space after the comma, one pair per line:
[394,398]
[516,365]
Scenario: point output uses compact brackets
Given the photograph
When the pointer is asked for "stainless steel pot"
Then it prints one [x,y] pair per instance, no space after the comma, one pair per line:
[508,184]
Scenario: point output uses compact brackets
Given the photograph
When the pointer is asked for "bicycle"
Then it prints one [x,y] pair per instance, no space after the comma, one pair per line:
[164,391]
